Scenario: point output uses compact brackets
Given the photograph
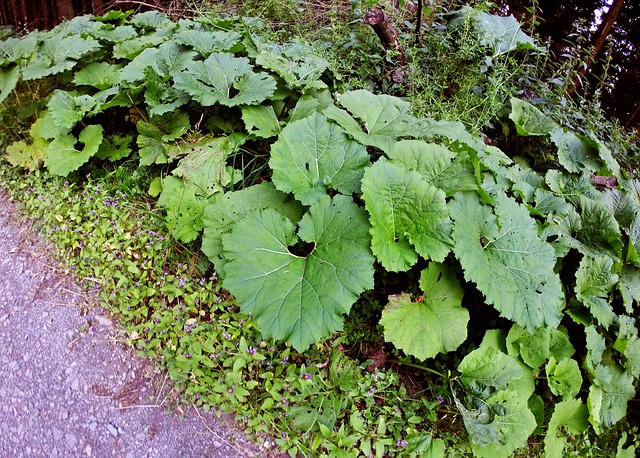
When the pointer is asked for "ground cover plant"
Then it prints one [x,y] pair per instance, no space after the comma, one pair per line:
[507,277]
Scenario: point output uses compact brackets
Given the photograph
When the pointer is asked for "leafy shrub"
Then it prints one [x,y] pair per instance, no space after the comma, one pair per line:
[302,194]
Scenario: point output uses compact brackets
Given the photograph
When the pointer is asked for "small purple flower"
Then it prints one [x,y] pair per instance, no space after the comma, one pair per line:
[284,401]
[307,376]
[401,443]
[440,399]
[252,351]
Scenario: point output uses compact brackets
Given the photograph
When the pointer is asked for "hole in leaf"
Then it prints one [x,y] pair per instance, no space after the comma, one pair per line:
[233,92]
[79,146]
[306,166]
[302,249]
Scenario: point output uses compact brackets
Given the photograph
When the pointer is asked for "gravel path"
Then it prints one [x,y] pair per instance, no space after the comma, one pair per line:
[67,388]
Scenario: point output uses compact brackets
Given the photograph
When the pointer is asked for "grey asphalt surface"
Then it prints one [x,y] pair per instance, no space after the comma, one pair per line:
[68,387]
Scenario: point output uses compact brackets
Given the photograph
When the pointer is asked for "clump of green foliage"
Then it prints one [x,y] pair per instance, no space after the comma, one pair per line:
[303,199]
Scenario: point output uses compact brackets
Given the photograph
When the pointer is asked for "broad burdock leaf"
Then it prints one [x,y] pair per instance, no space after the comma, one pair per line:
[161,97]
[594,283]
[570,418]
[434,324]
[559,345]
[624,204]
[384,118]
[224,79]
[502,34]
[628,344]
[57,54]
[409,217]
[184,209]
[564,377]
[222,216]
[609,394]
[101,75]
[63,155]
[600,232]
[629,286]
[115,34]
[206,42]
[529,120]
[13,50]
[509,263]
[300,298]
[532,348]
[152,20]
[9,77]
[611,164]
[576,153]
[314,155]
[596,348]
[261,120]
[68,108]
[298,66]
[437,164]
[115,147]
[162,60]
[488,367]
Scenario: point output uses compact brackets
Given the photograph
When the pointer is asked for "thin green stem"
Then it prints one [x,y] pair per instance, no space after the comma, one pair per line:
[418,366]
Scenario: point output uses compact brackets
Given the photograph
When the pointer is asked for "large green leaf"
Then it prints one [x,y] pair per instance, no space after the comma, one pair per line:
[609,394]
[14,49]
[224,79]
[57,54]
[261,121]
[300,298]
[409,217]
[64,155]
[532,348]
[434,324]
[488,367]
[9,77]
[576,153]
[594,282]
[437,164]
[600,232]
[501,33]
[222,216]
[101,75]
[184,208]
[162,60]
[570,417]
[297,65]
[564,377]
[384,118]
[503,255]
[68,108]
[313,155]
[529,120]
[206,42]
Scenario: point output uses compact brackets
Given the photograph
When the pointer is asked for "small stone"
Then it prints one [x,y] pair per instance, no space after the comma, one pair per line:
[103,321]
[71,440]
[112,430]
[88,450]
[75,384]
